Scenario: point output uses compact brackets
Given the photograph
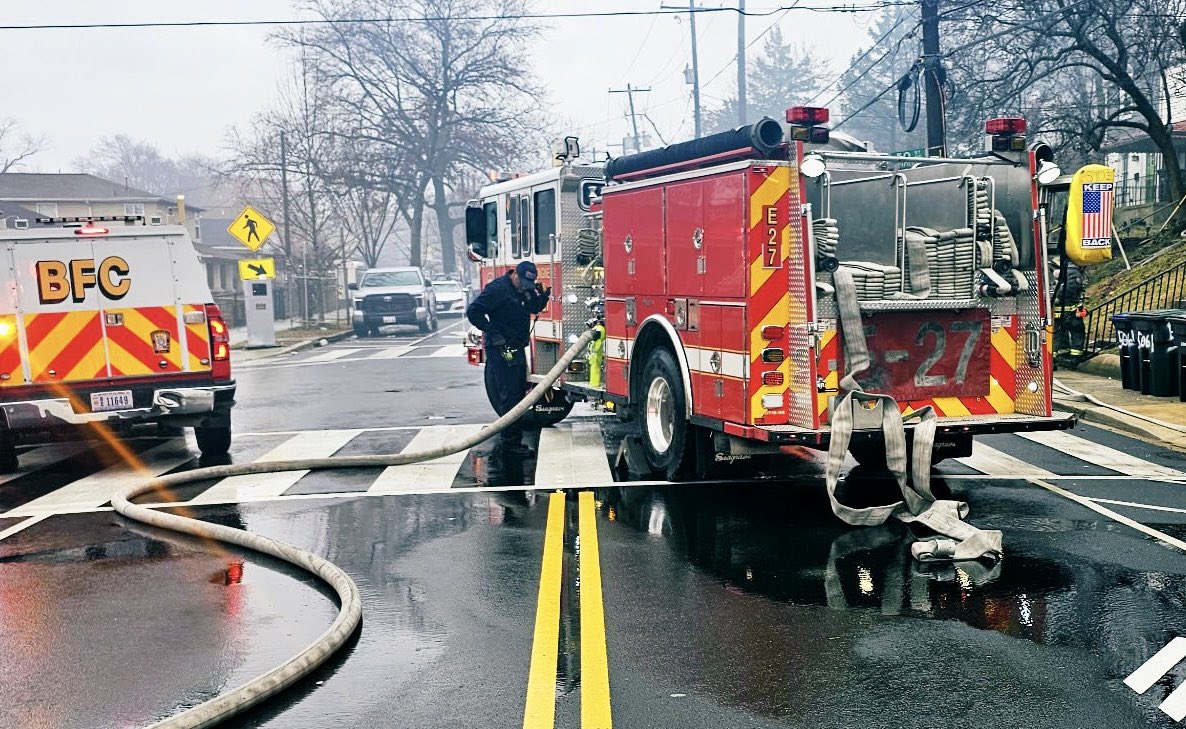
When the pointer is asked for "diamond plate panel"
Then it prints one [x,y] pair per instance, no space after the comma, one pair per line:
[1030,314]
[575,279]
[801,286]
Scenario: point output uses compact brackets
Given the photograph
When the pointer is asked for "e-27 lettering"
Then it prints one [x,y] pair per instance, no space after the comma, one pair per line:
[772,253]
[57,280]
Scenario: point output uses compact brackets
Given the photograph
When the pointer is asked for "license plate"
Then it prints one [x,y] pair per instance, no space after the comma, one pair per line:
[118,400]
[389,320]
[916,355]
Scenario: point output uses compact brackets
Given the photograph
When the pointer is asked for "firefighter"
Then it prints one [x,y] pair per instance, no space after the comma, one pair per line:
[503,312]
[1070,329]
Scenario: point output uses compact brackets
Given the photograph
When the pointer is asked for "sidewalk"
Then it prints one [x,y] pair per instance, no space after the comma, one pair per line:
[1106,389]
[294,341]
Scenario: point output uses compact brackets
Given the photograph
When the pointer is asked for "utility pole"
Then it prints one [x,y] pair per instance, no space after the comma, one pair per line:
[692,76]
[695,66]
[629,91]
[931,63]
[741,111]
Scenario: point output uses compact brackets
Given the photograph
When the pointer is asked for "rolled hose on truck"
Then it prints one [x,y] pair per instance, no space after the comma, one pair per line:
[227,705]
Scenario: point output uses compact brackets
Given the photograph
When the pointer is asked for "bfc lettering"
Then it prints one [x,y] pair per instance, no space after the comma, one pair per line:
[57,280]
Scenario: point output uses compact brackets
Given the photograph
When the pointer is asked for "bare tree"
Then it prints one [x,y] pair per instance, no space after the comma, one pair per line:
[1083,69]
[16,148]
[140,164]
[441,94]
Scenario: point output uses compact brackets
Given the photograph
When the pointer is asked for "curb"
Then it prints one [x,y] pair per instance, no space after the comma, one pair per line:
[1102,416]
[301,345]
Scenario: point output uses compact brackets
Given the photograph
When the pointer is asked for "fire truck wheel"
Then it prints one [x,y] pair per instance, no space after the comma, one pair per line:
[8,458]
[666,433]
[213,441]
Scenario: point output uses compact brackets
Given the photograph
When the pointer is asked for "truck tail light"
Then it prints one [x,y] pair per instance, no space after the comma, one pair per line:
[220,343]
[773,354]
[772,378]
[772,332]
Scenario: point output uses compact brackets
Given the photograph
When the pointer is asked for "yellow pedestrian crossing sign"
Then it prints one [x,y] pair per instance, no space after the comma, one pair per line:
[251,228]
[251,269]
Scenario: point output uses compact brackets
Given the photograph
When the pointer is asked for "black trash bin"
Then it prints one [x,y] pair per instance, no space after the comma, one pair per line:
[1158,375]
[1130,362]
[1178,361]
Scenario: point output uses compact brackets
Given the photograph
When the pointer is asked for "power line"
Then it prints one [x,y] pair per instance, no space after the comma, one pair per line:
[880,58]
[852,66]
[876,6]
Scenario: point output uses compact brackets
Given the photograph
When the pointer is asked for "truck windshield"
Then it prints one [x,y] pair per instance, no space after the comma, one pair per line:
[446,286]
[391,278]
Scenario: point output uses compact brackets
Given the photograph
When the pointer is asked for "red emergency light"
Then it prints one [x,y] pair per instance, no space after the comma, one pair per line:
[1005,125]
[90,229]
[807,115]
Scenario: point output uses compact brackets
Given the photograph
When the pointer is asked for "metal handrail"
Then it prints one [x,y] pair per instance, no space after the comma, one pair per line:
[1159,291]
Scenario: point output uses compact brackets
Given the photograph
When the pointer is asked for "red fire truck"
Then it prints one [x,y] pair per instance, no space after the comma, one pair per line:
[712,265]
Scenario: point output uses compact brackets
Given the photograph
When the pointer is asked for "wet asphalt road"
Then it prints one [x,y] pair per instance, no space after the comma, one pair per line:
[728,604]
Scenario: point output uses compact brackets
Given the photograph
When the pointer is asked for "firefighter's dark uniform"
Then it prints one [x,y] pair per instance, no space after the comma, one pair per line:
[1070,331]
[503,312]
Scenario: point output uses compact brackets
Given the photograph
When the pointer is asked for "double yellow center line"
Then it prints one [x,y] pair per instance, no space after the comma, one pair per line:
[540,709]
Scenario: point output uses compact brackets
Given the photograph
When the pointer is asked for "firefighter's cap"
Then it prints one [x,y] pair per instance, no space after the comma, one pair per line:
[526,271]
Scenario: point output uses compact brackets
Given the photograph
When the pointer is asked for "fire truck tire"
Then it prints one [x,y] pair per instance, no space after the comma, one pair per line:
[9,462]
[666,434]
[214,440]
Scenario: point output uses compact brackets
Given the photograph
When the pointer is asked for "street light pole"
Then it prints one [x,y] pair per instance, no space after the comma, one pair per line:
[936,131]
[741,110]
[695,66]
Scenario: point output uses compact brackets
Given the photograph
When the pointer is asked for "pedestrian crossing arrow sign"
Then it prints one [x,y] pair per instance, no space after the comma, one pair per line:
[251,228]
[251,269]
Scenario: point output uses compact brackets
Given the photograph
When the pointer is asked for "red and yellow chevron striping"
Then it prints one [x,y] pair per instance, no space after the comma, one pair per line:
[197,337]
[65,346]
[145,342]
[11,370]
[768,304]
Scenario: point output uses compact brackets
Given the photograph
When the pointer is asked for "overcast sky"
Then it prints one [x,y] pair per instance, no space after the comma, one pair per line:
[181,89]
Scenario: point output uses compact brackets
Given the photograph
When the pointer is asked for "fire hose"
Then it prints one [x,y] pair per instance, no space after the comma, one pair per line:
[959,540]
[237,700]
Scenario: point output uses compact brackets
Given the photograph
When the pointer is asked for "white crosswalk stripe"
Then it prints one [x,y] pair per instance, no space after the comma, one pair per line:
[1101,455]
[97,489]
[332,355]
[439,472]
[311,444]
[391,352]
[450,350]
[989,460]
[571,456]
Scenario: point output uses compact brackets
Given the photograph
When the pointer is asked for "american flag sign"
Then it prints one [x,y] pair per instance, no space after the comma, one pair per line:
[1097,215]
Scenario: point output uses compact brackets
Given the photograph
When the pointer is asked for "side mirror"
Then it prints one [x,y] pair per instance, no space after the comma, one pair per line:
[352,286]
[475,230]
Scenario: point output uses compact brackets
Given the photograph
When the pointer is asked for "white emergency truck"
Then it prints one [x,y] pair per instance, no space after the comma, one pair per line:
[106,323]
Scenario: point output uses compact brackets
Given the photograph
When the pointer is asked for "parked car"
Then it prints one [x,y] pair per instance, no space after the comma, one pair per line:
[392,296]
[452,298]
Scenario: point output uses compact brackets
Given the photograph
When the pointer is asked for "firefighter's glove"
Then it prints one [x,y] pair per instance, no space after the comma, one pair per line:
[1081,312]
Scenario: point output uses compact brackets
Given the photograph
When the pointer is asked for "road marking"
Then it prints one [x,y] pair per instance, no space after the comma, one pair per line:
[310,444]
[595,706]
[391,352]
[1090,504]
[98,488]
[450,350]
[1101,455]
[989,460]
[438,332]
[539,711]
[439,472]
[22,525]
[571,454]
[331,355]
[1134,505]
[46,455]
[1152,670]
